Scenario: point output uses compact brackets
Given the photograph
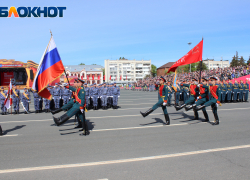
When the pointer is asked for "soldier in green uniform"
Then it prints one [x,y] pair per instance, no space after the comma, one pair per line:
[214,101]
[162,101]
[241,90]
[229,91]
[223,87]
[246,91]
[77,109]
[235,90]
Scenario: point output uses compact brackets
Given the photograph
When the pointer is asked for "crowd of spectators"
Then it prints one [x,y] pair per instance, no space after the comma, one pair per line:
[228,73]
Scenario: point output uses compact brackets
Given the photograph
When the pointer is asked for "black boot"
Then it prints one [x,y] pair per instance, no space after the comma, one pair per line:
[59,121]
[206,116]
[196,115]
[79,124]
[199,107]
[188,108]
[1,131]
[56,111]
[85,129]
[216,121]
[147,112]
[167,119]
[180,107]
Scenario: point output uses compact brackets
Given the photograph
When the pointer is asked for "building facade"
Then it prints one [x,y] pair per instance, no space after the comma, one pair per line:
[89,73]
[161,71]
[212,64]
[124,70]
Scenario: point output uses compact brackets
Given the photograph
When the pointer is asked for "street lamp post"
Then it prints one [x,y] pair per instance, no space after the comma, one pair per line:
[189,64]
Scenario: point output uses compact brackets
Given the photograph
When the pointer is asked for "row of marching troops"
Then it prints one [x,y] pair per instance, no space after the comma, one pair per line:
[102,96]
[199,96]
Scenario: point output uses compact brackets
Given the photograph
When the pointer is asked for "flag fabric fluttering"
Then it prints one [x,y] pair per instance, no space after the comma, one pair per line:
[8,99]
[193,56]
[49,69]
[174,81]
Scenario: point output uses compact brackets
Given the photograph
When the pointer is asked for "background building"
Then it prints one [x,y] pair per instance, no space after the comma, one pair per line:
[161,71]
[211,63]
[124,70]
[89,73]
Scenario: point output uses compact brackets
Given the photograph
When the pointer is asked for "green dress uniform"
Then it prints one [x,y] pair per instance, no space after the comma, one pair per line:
[229,92]
[235,91]
[215,99]
[76,105]
[162,102]
[223,92]
[241,90]
[246,91]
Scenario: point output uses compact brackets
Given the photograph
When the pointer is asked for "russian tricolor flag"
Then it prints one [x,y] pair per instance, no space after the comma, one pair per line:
[49,69]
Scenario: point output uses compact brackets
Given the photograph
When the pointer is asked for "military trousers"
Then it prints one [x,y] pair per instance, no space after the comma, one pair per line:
[212,103]
[3,108]
[104,100]
[16,104]
[57,101]
[115,100]
[159,104]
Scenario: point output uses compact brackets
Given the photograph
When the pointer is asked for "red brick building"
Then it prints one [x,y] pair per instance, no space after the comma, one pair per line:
[161,70]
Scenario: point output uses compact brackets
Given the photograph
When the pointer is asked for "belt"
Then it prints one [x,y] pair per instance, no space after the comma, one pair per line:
[162,96]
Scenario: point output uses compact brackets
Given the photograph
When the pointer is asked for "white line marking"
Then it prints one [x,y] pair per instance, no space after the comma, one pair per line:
[139,127]
[9,135]
[123,160]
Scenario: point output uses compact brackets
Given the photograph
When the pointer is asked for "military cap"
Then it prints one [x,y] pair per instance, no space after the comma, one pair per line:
[204,79]
[82,81]
[2,87]
[194,79]
[56,83]
[94,84]
[85,83]
[163,79]
[114,83]
[213,78]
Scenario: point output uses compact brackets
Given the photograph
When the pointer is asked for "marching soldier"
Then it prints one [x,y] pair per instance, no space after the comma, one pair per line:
[177,94]
[162,101]
[170,91]
[185,91]
[26,100]
[115,94]
[16,99]
[214,101]
[77,109]
[3,95]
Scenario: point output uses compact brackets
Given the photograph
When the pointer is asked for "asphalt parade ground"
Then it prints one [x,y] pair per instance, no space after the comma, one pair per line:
[124,145]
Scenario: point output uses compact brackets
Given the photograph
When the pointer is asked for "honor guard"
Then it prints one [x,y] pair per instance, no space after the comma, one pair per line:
[214,101]
[37,100]
[115,94]
[15,99]
[87,94]
[246,91]
[162,101]
[241,90]
[229,91]
[104,96]
[94,95]
[223,87]
[65,95]
[235,90]
[185,91]
[57,95]
[25,99]
[3,95]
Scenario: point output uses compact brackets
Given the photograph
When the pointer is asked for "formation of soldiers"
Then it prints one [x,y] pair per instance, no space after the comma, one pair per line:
[198,96]
[97,96]
[144,87]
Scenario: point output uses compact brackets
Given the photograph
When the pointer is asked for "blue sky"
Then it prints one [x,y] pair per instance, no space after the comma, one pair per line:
[92,31]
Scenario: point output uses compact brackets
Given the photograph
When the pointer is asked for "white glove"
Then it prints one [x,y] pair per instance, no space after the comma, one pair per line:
[52,98]
[60,97]
[82,110]
[168,94]
[198,98]
[198,85]
[39,99]
[187,93]
[100,96]
[180,93]
[164,104]
[88,97]
[69,98]
[118,96]
[217,105]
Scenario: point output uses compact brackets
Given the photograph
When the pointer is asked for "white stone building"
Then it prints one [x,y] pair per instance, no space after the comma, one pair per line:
[212,64]
[124,70]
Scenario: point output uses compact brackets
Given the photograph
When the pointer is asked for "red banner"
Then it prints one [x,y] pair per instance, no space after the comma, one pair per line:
[193,56]
[87,77]
[126,77]
[5,78]
[243,78]
[93,76]
[110,77]
[98,77]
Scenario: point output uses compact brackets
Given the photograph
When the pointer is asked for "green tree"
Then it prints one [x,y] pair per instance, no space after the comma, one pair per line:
[103,71]
[234,62]
[82,64]
[94,64]
[242,61]
[204,67]
[248,62]
[121,58]
[153,70]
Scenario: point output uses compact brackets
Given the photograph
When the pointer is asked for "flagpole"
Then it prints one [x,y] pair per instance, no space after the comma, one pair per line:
[200,67]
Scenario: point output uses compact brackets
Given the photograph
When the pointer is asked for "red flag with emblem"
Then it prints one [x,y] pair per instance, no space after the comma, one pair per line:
[193,56]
